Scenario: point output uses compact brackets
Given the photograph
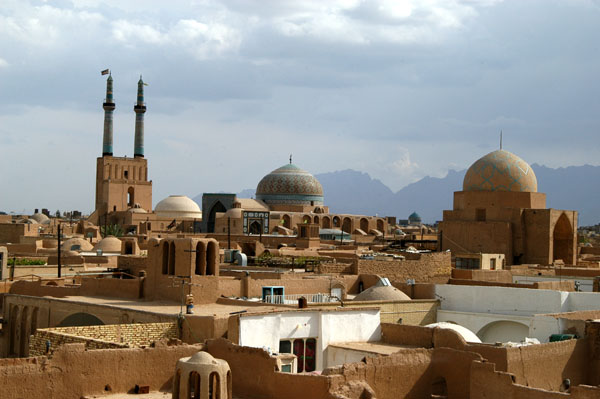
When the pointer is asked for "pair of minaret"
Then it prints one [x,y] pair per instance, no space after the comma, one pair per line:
[109,107]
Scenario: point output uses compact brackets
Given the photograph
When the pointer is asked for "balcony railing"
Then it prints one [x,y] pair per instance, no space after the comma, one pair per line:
[293,299]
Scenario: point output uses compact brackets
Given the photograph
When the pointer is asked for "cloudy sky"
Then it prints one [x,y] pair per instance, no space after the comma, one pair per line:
[400,89]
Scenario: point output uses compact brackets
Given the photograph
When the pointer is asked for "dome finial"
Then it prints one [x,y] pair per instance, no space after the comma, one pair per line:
[500,138]
[290,159]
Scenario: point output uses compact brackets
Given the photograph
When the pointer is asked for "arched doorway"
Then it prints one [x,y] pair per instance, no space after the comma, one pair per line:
[336,221]
[439,388]
[364,225]
[316,220]
[218,207]
[562,243]
[287,221]
[306,219]
[347,225]
[380,225]
[326,222]
[255,227]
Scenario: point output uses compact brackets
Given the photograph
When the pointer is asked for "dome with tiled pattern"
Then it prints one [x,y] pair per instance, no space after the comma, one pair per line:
[500,171]
[290,185]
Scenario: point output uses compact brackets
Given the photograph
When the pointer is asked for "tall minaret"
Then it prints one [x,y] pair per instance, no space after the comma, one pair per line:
[140,109]
[109,107]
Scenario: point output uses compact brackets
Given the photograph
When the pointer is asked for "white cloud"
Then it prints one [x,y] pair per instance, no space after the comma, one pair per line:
[3,63]
[202,40]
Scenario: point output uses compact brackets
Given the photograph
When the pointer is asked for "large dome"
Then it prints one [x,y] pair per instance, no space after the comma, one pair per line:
[178,207]
[290,185]
[500,171]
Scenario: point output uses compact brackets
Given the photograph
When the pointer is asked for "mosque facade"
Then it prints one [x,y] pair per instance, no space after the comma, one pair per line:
[285,198]
[500,211]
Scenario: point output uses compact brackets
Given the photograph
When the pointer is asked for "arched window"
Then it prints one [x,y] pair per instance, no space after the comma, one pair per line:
[214,386]
[172,258]
[194,386]
[130,197]
[200,259]
[212,253]
[165,257]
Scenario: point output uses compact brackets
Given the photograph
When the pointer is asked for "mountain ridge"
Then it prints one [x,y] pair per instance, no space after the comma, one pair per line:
[355,192]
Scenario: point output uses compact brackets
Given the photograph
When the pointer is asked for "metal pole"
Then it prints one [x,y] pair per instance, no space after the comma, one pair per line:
[59,250]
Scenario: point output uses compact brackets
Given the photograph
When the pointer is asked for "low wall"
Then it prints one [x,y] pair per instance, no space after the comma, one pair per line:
[74,372]
[254,374]
[113,287]
[424,268]
[103,336]
[45,342]
[415,312]
[488,383]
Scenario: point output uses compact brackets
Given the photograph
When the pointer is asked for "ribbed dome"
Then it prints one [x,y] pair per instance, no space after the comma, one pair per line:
[290,185]
[178,206]
[500,171]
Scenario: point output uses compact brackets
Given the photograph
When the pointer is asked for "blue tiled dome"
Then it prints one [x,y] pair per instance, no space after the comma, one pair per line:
[500,171]
[290,185]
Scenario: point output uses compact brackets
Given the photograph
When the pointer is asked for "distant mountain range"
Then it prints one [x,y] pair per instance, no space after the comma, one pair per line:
[349,191]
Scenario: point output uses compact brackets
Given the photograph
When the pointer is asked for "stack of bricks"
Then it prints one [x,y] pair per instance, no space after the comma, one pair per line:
[102,336]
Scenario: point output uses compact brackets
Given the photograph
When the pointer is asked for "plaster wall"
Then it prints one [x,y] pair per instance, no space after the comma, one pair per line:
[337,356]
[266,330]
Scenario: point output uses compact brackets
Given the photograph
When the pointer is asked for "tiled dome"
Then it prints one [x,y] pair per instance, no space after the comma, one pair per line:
[290,185]
[500,171]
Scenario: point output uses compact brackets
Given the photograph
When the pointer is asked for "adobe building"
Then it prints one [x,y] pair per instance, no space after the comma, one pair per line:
[500,211]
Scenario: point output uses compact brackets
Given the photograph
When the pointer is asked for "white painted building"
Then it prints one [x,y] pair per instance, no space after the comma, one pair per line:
[308,334]
[501,314]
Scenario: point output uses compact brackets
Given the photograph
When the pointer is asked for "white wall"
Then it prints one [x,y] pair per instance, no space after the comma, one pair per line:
[476,307]
[337,356]
[267,330]
[500,300]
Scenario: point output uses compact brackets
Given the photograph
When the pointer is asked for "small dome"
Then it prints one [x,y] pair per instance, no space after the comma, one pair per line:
[468,335]
[290,185]
[201,358]
[234,213]
[500,171]
[39,217]
[382,293]
[178,207]
[76,244]
[109,244]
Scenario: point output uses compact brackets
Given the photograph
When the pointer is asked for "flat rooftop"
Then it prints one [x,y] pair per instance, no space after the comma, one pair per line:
[165,307]
[377,348]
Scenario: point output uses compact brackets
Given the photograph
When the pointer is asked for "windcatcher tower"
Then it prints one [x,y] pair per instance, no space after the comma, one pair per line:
[109,107]
[140,110]
[121,182]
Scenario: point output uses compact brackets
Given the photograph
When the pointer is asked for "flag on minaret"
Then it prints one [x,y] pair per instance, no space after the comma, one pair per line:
[105,72]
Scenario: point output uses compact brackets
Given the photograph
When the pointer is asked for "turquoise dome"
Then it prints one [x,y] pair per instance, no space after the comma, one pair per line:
[500,171]
[290,185]
[414,217]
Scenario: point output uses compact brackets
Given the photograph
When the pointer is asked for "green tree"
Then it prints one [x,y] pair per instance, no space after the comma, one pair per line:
[111,230]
